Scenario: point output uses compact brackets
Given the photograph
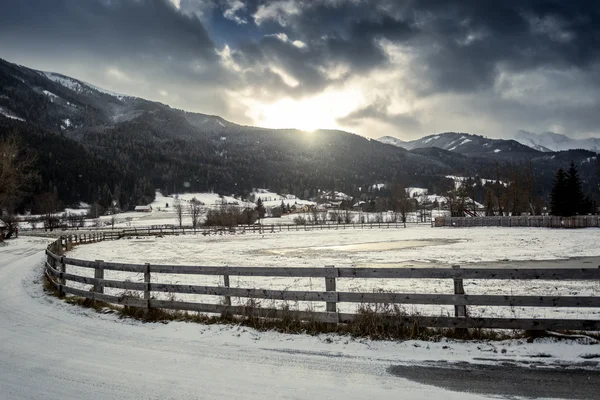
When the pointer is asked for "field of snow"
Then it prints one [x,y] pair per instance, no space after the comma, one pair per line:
[53,350]
[416,246]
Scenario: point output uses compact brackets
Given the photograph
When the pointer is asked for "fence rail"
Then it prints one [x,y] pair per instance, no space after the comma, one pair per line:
[282,227]
[56,271]
[537,221]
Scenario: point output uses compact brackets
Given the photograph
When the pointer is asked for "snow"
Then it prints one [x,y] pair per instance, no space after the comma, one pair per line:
[497,151]
[378,186]
[50,349]
[452,148]
[465,142]
[211,199]
[458,180]
[220,123]
[9,114]
[51,95]
[427,140]
[66,123]
[78,87]
[416,246]
[335,195]
[588,160]
[415,191]
[265,195]
[109,92]
[271,199]
[65,81]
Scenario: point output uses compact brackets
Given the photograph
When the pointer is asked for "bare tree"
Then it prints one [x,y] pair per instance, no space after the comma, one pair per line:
[402,203]
[347,216]
[195,213]
[47,204]
[323,217]
[315,215]
[179,212]
[335,216]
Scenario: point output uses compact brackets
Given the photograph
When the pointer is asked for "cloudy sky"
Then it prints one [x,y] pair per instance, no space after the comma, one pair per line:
[404,68]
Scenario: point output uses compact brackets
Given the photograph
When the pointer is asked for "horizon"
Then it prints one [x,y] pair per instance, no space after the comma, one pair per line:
[356,66]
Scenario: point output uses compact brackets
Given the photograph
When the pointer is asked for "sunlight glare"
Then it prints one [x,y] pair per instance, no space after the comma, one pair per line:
[307,114]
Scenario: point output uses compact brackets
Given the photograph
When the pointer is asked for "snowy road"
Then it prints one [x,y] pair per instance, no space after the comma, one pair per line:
[52,350]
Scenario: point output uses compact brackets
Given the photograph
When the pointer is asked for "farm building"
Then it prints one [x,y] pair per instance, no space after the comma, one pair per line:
[3,228]
[143,208]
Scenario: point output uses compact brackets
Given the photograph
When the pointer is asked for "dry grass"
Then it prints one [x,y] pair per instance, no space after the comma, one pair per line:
[373,321]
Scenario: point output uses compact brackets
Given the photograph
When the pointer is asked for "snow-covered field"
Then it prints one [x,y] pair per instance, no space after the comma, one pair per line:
[52,350]
[411,247]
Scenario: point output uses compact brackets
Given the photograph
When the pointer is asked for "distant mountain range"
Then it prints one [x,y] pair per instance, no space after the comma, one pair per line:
[549,141]
[465,143]
[94,145]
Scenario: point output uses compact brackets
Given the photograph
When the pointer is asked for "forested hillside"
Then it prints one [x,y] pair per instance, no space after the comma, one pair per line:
[96,146]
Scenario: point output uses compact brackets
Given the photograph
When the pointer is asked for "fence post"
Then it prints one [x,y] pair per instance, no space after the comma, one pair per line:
[226,284]
[331,306]
[62,268]
[460,311]
[99,274]
[147,288]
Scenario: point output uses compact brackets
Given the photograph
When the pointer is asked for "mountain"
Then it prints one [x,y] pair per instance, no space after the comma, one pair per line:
[550,141]
[136,146]
[94,145]
[468,144]
[392,140]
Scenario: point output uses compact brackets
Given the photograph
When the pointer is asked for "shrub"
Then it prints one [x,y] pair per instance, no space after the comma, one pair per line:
[230,216]
[300,220]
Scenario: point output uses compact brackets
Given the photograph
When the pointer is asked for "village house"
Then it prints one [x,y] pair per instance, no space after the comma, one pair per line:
[143,208]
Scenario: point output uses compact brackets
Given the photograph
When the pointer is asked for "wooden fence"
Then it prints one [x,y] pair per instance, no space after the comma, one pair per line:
[56,269]
[260,228]
[257,228]
[538,221]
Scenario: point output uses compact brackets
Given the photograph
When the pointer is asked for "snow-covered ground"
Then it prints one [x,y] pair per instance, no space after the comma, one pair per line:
[415,246]
[52,350]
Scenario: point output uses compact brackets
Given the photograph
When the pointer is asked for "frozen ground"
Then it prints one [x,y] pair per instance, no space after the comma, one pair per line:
[52,350]
[410,247]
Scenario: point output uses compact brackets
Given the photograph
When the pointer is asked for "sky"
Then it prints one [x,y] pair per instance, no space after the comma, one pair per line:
[404,68]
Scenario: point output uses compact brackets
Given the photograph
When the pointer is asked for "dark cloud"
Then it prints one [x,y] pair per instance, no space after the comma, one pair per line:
[459,44]
[143,34]
[379,111]
[477,51]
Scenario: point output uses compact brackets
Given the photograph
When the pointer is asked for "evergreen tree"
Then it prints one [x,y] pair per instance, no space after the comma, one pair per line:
[558,195]
[260,208]
[575,197]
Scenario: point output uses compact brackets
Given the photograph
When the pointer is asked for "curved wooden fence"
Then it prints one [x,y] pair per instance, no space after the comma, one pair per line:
[56,269]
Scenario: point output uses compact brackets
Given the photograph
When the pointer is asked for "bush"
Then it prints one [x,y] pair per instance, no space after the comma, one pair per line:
[300,220]
[230,216]
[276,212]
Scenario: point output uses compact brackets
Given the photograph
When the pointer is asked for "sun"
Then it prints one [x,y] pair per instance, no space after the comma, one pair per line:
[307,114]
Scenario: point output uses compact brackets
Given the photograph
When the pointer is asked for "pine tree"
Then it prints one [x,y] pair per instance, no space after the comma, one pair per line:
[558,195]
[575,197]
[260,208]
